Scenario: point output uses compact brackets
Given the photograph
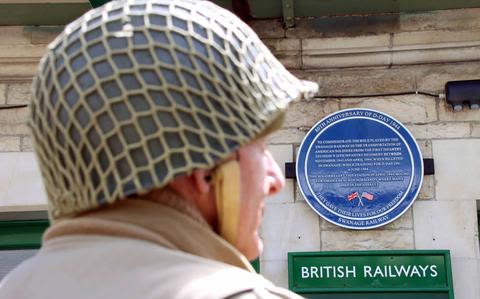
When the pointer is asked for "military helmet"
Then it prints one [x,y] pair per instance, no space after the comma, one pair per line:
[137,92]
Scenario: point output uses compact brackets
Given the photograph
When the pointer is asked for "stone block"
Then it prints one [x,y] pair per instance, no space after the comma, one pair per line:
[14,121]
[347,60]
[19,93]
[279,45]
[328,226]
[23,51]
[435,46]
[22,186]
[447,54]
[466,275]
[298,193]
[337,45]
[3,93]
[426,39]
[14,35]
[419,131]
[425,148]
[367,240]
[341,52]
[288,135]
[275,271]
[446,225]
[45,34]
[26,144]
[432,78]
[282,154]
[427,191]
[406,109]
[9,143]
[289,227]
[440,130]
[307,114]
[358,82]
[457,169]
[287,51]
[268,28]
[16,68]
[290,61]
[475,130]
[404,222]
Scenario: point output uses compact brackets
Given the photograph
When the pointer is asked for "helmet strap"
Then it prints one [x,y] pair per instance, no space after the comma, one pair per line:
[226,182]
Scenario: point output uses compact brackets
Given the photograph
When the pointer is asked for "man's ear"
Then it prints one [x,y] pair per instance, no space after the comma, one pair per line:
[202,180]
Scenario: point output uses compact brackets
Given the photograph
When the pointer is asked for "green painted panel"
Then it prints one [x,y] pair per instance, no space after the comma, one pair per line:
[256,264]
[339,7]
[63,13]
[266,9]
[41,14]
[415,5]
[97,3]
[22,234]
[360,272]
[304,8]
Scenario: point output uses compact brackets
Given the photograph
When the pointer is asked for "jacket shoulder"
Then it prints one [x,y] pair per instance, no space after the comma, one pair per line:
[130,269]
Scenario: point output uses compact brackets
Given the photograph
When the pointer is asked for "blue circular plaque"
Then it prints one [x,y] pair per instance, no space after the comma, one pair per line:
[359,168]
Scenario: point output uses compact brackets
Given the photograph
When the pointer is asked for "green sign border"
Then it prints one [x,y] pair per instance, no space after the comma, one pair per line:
[22,234]
[445,253]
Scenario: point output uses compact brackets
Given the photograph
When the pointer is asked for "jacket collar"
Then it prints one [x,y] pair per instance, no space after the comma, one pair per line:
[171,223]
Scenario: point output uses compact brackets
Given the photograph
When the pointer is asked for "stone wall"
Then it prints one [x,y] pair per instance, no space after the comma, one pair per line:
[374,57]
[20,51]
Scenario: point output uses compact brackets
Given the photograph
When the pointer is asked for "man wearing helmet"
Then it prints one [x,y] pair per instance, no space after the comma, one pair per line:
[149,120]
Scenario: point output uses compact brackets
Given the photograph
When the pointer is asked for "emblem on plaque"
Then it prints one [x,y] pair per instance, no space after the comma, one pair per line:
[359,168]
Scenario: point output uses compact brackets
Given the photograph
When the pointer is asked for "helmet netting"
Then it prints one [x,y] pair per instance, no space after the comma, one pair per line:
[135,93]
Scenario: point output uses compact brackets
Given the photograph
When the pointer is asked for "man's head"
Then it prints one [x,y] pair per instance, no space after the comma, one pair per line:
[137,93]
[259,177]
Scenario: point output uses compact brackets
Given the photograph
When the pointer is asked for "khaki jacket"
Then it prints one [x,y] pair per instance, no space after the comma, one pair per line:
[137,249]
